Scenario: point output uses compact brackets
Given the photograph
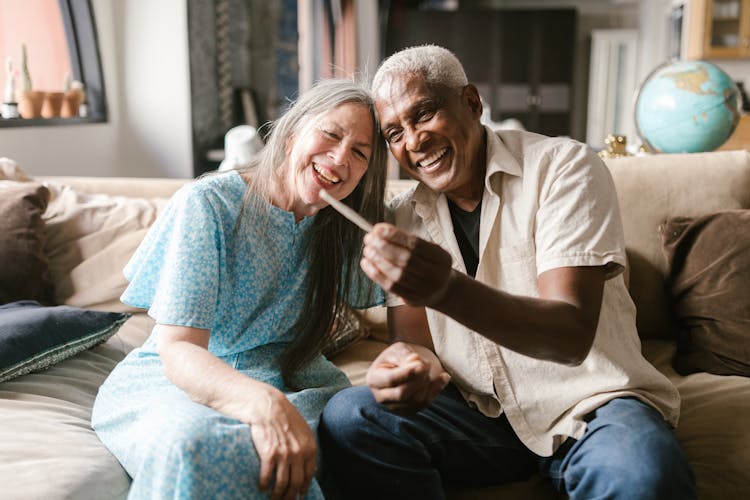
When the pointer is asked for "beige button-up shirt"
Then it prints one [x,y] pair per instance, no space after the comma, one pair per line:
[547,203]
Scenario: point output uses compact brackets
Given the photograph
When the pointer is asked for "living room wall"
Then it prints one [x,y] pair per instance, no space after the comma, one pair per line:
[144,54]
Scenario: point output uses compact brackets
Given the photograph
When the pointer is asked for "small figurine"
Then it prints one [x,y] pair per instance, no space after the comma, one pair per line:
[9,107]
[615,147]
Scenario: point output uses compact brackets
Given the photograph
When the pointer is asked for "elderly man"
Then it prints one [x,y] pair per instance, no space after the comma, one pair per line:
[514,348]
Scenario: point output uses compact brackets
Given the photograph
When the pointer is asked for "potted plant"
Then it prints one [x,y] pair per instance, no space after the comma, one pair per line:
[30,101]
[74,97]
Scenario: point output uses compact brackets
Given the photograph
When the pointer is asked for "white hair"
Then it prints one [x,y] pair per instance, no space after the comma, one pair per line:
[437,65]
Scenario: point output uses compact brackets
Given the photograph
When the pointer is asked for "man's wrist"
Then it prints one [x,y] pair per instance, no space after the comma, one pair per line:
[441,297]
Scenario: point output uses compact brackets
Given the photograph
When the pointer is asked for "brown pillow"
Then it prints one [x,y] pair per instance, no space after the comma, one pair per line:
[708,279]
[24,271]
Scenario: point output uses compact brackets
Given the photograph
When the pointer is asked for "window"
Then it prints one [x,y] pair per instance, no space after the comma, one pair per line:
[62,59]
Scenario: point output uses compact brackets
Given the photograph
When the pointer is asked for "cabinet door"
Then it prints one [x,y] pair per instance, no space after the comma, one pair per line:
[720,29]
[534,69]
[520,60]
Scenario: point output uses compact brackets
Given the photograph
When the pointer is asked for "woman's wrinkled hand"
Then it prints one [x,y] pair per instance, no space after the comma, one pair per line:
[286,447]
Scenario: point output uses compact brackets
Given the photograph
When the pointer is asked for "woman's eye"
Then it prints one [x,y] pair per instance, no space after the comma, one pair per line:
[329,134]
[360,154]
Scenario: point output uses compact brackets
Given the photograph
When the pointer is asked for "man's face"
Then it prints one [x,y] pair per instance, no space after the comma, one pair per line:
[433,131]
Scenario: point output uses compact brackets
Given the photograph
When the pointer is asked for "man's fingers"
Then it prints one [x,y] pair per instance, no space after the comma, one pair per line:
[382,377]
[392,234]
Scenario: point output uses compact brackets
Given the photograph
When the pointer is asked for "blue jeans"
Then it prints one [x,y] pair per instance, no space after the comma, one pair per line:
[627,452]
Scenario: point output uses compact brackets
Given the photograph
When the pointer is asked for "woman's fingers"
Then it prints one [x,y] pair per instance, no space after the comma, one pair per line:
[281,482]
[286,448]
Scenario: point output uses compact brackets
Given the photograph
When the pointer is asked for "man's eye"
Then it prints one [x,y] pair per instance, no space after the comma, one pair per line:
[425,115]
[393,136]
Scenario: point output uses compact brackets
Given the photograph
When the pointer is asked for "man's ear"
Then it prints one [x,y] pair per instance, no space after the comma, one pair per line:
[472,99]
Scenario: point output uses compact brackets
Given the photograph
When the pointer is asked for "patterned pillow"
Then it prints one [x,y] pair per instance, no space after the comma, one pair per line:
[347,329]
[709,281]
[34,337]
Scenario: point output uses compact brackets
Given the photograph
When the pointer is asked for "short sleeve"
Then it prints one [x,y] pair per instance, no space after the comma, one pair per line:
[578,221]
[363,292]
[174,273]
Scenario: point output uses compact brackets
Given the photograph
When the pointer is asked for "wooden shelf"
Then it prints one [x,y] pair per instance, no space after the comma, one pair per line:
[740,139]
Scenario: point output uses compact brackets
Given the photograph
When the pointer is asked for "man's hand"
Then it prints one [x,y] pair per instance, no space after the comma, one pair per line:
[406,378]
[406,265]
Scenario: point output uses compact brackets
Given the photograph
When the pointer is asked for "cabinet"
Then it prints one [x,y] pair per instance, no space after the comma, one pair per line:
[521,60]
[719,29]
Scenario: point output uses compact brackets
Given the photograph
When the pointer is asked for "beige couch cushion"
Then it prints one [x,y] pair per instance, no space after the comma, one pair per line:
[48,447]
[90,238]
[652,189]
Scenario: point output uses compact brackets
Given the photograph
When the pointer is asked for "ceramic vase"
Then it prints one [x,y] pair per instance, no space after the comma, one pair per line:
[52,106]
[30,103]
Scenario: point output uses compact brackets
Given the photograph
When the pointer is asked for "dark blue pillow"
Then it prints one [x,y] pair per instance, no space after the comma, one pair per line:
[34,337]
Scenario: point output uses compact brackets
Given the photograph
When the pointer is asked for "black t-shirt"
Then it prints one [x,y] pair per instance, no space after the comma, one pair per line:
[466,229]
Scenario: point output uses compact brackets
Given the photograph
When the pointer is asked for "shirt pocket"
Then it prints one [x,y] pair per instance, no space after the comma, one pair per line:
[517,268]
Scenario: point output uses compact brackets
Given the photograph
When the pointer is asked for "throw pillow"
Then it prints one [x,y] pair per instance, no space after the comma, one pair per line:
[24,270]
[709,281]
[89,239]
[347,329]
[34,337]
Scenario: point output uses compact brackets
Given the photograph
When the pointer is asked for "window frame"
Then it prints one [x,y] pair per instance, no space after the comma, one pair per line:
[83,50]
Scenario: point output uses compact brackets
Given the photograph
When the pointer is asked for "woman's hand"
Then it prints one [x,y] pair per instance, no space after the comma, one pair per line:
[284,442]
[414,269]
[286,447]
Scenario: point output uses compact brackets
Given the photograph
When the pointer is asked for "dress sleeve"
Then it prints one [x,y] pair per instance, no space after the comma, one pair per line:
[578,221]
[363,292]
[174,273]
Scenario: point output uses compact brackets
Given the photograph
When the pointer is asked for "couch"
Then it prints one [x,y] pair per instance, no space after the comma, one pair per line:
[92,225]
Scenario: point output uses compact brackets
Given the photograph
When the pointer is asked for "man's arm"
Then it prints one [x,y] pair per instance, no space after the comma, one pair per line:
[557,326]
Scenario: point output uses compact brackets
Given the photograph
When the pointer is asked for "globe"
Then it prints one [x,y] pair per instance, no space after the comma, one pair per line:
[687,107]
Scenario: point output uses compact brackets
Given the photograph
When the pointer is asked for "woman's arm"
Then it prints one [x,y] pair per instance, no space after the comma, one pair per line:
[284,442]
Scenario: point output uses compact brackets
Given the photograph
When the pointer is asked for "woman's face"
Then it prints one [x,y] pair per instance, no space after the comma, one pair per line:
[331,151]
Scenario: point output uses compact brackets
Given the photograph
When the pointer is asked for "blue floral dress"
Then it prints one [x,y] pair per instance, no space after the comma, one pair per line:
[246,285]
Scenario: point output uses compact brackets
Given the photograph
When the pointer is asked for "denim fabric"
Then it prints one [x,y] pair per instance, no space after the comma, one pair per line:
[627,452]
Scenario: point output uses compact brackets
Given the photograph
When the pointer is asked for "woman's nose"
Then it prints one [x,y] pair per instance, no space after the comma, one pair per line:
[339,154]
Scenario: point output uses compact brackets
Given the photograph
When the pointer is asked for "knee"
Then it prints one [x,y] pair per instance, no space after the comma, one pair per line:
[648,465]
[196,436]
[345,415]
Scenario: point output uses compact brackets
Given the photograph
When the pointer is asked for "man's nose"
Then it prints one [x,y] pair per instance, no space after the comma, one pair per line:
[414,139]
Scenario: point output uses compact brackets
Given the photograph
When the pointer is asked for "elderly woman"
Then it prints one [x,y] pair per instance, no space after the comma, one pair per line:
[244,273]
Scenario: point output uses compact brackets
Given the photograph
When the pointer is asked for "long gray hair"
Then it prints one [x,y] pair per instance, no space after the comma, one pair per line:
[336,243]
